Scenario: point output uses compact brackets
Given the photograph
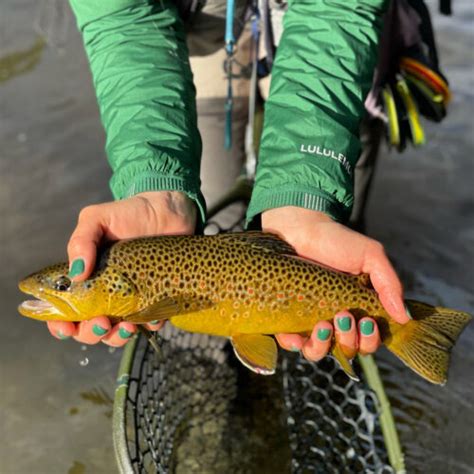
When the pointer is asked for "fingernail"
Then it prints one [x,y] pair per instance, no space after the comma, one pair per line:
[323,334]
[77,268]
[124,334]
[344,323]
[98,330]
[294,349]
[154,322]
[408,312]
[367,328]
[61,335]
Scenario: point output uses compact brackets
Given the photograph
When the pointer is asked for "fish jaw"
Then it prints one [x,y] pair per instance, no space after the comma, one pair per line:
[46,307]
[40,310]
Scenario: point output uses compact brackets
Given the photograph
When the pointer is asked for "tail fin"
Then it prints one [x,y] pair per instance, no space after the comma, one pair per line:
[424,344]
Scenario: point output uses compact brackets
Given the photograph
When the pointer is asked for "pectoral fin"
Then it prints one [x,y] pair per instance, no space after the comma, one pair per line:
[169,307]
[163,309]
[257,352]
[344,362]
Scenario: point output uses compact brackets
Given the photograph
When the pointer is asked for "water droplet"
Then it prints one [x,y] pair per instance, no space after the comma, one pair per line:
[112,350]
[84,362]
[21,137]
[83,348]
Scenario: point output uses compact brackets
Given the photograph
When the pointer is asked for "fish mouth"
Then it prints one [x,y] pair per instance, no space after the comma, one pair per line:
[45,308]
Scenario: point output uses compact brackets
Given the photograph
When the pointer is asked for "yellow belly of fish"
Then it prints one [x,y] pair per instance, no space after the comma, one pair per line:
[230,318]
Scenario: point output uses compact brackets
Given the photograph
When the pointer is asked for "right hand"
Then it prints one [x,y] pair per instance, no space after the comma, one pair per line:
[150,213]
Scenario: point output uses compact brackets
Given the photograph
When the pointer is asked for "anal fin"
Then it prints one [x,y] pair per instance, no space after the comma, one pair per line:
[257,352]
[344,362]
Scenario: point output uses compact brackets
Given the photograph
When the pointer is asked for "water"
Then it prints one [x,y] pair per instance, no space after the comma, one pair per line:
[52,164]
[422,209]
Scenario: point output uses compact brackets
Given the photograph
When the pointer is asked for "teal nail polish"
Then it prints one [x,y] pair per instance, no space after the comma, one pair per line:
[294,349]
[98,330]
[344,323]
[62,336]
[154,322]
[77,267]
[408,312]
[323,334]
[367,328]
[124,334]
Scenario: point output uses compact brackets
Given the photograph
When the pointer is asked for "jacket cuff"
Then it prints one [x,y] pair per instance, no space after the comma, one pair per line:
[298,196]
[146,182]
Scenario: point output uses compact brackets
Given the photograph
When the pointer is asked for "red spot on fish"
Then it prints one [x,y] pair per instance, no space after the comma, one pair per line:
[280,296]
[300,297]
[230,287]
[176,280]
[202,284]
[250,291]
[291,294]
[322,303]
[335,304]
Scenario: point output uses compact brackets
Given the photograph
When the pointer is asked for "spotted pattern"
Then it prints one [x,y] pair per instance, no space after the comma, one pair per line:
[252,279]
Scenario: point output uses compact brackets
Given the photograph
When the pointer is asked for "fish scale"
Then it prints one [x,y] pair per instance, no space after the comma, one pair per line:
[246,286]
[268,294]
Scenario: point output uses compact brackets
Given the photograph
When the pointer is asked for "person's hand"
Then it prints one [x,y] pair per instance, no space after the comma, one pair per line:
[315,236]
[151,213]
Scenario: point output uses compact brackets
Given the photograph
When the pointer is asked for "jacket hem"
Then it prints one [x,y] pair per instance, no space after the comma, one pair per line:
[315,200]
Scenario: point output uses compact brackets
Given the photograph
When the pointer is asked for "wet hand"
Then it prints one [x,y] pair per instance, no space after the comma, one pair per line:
[151,213]
[317,237]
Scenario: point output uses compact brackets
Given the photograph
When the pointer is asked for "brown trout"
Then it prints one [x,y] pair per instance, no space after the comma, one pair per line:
[245,286]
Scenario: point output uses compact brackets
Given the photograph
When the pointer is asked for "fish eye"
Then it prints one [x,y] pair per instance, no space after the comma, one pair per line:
[63,283]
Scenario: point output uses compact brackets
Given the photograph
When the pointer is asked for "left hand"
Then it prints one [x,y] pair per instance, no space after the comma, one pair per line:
[315,236]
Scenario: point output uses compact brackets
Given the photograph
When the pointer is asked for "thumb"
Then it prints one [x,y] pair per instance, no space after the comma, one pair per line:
[83,243]
[388,286]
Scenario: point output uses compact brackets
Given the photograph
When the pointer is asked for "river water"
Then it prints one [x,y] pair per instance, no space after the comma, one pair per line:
[56,397]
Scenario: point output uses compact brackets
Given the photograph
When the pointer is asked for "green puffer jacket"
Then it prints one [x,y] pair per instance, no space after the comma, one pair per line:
[310,144]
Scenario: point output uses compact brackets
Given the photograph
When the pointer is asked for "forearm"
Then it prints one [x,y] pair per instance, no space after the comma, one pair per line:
[321,76]
[143,81]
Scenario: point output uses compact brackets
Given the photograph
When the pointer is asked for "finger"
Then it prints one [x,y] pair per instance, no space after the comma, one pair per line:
[93,331]
[120,334]
[346,333]
[388,286]
[61,329]
[318,345]
[369,336]
[154,325]
[291,342]
[82,246]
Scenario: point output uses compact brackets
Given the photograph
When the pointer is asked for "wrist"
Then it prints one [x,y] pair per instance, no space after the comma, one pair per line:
[179,209]
[291,216]
[298,226]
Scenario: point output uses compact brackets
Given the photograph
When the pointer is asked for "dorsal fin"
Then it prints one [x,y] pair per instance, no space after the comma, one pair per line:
[262,240]
[364,280]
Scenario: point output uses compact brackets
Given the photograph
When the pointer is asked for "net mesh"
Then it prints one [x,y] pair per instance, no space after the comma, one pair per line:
[194,409]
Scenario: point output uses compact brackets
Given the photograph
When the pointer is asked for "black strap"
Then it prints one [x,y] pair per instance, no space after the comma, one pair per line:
[445,7]
[426,31]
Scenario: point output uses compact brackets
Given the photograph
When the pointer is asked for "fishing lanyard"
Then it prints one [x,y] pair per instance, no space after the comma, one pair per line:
[250,151]
[229,48]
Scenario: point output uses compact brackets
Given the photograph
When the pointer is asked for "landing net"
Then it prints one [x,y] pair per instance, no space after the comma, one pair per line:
[194,408]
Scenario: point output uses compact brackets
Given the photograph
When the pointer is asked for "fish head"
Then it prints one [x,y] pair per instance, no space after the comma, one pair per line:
[106,293]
